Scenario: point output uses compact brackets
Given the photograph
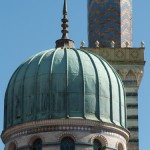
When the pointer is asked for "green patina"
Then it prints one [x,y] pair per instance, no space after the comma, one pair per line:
[65,83]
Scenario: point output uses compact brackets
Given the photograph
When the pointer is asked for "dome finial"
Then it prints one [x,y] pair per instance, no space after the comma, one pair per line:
[64,21]
[65,41]
[65,8]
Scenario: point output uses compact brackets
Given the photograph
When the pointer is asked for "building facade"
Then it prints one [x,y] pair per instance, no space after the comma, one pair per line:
[73,99]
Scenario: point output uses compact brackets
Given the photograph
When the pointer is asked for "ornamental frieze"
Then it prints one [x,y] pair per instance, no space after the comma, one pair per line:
[117,55]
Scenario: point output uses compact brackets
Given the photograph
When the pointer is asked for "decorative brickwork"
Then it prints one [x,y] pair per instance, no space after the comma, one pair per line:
[62,125]
[110,20]
[51,132]
[100,138]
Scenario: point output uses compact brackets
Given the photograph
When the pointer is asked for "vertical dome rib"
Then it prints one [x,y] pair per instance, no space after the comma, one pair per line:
[36,85]
[119,81]
[110,87]
[11,101]
[97,82]
[81,65]
[123,122]
[67,100]
[120,109]
[51,72]
[114,98]
[13,98]
[24,67]
[24,77]
[119,97]
[124,113]
[42,57]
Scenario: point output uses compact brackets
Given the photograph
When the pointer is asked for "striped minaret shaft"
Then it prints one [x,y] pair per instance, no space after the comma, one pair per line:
[110,20]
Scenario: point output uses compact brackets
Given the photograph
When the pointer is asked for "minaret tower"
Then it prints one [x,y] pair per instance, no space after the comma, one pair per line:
[110,36]
[110,20]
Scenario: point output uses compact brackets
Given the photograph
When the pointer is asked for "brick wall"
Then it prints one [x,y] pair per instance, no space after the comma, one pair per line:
[110,20]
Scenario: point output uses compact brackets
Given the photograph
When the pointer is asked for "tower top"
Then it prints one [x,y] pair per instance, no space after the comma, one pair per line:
[110,21]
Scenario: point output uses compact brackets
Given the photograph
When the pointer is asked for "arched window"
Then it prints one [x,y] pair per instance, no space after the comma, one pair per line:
[67,144]
[120,146]
[97,145]
[37,145]
[12,146]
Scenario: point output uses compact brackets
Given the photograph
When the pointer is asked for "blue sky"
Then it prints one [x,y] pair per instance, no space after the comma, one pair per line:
[30,26]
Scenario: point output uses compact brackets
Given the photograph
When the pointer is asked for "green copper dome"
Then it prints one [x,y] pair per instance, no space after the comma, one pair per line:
[65,83]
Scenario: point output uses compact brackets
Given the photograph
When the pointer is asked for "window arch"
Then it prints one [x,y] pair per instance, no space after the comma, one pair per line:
[97,145]
[12,146]
[120,146]
[37,145]
[67,144]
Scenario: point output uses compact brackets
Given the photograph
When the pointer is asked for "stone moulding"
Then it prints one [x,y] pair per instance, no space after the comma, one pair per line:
[64,125]
[125,55]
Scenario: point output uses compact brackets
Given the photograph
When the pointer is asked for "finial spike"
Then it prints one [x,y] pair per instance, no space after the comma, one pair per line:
[64,22]
[65,8]
[65,41]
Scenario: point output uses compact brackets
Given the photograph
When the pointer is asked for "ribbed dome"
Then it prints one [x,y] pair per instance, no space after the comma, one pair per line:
[65,83]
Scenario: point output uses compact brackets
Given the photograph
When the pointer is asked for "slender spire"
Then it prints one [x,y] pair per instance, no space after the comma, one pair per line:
[65,8]
[64,22]
[65,41]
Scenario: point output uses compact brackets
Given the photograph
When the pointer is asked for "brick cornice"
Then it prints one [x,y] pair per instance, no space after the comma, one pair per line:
[63,125]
